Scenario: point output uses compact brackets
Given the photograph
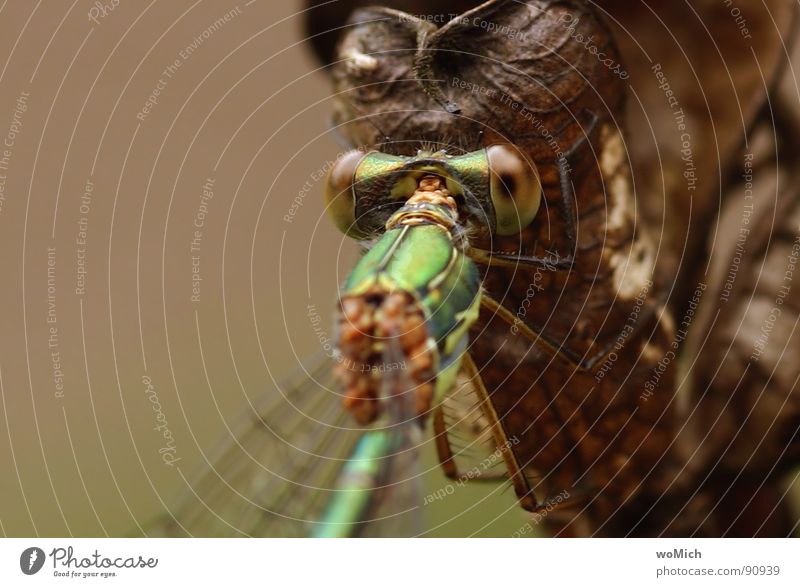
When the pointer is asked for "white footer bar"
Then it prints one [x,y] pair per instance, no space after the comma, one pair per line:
[390,562]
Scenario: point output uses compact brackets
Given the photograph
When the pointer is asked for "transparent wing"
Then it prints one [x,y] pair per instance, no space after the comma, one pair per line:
[463,434]
[280,474]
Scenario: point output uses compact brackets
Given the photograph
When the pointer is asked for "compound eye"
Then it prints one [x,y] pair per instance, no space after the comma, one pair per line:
[515,189]
[340,200]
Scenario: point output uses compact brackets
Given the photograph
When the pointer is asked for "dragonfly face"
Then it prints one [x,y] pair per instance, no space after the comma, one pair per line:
[496,188]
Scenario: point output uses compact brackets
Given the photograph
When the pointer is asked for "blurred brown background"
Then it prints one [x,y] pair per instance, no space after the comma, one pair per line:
[241,106]
[133,129]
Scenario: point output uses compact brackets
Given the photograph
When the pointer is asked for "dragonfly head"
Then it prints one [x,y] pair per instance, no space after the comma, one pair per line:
[495,187]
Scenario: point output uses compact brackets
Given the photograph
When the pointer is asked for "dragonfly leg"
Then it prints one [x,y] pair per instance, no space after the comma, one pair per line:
[521,487]
[541,340]
[447,458]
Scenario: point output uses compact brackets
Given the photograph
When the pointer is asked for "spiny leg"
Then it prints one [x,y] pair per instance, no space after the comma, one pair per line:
[521,487]
[445,452]
[539,339]
[536,338]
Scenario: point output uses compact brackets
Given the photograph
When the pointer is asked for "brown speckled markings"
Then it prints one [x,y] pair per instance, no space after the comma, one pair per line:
[593,437]
[367,324]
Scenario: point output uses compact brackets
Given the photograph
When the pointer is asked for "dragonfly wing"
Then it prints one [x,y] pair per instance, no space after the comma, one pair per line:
[466,446]
[275,476]
[394,508]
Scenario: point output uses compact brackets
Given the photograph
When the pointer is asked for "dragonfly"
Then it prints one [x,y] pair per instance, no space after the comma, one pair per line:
[474,315]
[402,360]
[506,309]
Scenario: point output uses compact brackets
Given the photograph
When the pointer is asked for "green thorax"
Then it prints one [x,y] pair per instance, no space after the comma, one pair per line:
[423,261]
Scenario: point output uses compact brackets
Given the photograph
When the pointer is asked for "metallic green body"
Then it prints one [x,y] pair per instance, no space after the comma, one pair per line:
[423,261]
